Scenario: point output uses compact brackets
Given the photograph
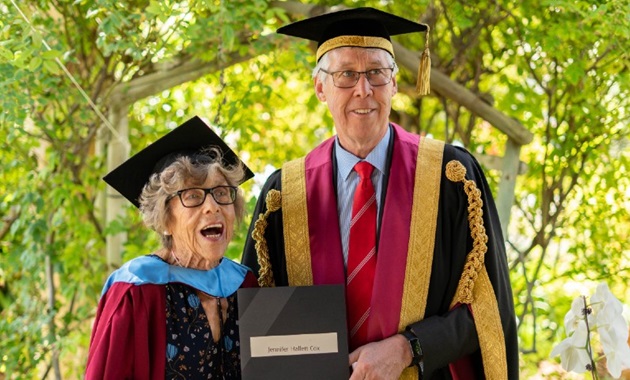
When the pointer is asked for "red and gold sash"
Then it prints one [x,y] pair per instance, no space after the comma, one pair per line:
[406,244]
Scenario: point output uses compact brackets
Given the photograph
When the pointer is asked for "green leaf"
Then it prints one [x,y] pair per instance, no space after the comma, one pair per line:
[154,8]
[35,63]
[6,55]
[574,73]
[228,38]
[51,67]
[52,54]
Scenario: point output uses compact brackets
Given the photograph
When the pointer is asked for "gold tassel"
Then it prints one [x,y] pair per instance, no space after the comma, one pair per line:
[423,82]
[265,275]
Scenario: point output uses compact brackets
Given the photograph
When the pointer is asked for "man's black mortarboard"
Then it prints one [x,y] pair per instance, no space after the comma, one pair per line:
[188,139]
[361,27]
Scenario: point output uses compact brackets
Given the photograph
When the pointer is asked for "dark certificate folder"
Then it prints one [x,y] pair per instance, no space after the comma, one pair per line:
[293,333]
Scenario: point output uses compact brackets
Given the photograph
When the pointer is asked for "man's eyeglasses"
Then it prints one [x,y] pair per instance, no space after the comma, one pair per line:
[194,197]
[349,78]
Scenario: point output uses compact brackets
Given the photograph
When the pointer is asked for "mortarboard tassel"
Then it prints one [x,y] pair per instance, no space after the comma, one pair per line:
[423,82]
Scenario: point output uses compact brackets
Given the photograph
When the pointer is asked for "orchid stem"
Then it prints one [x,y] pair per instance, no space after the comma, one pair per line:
[589,349]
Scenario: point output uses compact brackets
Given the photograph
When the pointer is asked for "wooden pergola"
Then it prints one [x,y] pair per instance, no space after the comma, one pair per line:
[175,73]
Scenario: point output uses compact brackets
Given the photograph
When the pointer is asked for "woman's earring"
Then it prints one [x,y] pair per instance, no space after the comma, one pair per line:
[166,233]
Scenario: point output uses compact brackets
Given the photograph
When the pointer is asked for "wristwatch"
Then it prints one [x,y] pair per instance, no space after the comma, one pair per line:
[416,349]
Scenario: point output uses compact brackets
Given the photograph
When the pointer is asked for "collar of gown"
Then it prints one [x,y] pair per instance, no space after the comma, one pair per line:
[221,281]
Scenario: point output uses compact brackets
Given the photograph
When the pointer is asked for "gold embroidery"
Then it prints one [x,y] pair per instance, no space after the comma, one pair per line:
[426,196]
[474,286]
[358,41]
[265,274]
[456,172]
[489,328]
[295,223]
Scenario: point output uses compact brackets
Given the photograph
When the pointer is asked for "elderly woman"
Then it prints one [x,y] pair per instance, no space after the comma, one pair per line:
[172,314]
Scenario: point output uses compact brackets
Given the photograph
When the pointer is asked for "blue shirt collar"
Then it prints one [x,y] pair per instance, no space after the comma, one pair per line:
[377,157]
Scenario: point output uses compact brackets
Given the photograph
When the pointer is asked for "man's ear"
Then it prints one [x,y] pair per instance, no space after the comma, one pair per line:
[319,89]
[395,86]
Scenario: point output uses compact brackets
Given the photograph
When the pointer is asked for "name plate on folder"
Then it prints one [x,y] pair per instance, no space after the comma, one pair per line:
[293,332]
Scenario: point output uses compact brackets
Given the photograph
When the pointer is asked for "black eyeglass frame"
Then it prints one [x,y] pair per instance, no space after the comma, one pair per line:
[233,190]
[357,76]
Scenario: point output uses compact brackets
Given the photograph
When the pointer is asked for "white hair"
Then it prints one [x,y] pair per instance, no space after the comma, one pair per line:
[324,62]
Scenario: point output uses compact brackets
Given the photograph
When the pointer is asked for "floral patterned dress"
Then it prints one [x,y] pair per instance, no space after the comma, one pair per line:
[191,352]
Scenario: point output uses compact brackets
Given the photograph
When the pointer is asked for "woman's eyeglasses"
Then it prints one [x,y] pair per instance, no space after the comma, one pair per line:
[195,196]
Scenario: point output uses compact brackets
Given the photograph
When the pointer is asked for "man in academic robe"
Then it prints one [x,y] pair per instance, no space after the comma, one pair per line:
[439,300]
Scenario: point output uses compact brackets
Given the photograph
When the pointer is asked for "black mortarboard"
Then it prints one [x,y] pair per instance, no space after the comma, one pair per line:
[188,139]
[360,27]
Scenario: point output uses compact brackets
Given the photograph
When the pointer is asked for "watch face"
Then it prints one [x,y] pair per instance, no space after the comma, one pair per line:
[416,349]
[415,346]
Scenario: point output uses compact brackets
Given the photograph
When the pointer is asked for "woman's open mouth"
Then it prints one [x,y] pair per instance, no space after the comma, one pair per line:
[212,231]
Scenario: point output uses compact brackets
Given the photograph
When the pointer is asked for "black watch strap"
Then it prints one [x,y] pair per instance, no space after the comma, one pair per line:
[416,349]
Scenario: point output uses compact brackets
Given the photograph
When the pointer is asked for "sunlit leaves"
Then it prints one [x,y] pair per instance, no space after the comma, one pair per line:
[6,55]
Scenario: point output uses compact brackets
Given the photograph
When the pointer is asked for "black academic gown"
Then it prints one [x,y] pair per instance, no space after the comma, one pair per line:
[445,336]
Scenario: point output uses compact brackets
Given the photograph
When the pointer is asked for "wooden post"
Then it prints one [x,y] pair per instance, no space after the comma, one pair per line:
[117,153]
[100,150]
[509,172]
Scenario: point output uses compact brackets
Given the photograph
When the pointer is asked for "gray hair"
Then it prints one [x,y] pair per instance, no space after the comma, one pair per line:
[182,172]
[324,62]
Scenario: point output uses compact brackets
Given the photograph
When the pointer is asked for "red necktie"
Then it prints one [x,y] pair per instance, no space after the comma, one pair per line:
[361,256]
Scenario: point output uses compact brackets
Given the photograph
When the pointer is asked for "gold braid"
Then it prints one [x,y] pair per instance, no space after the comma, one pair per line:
[456,172]
[265,275]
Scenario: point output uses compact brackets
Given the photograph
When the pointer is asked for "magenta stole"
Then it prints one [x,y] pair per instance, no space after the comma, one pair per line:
[325,238]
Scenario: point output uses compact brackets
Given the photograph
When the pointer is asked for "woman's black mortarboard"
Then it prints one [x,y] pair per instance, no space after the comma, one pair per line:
[189,139]
[361,27]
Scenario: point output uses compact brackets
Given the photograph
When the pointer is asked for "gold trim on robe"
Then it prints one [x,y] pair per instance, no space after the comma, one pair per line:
[426,198]
[295,223]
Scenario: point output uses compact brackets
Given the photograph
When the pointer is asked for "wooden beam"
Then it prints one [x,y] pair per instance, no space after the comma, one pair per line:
[172,74]
[496,162]
[117,153]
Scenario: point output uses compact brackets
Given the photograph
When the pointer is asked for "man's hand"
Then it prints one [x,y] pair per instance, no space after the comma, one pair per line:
[382,360]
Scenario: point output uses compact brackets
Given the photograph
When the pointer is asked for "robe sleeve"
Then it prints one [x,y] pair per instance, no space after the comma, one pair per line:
[447,335]
[250,281]
[129,334]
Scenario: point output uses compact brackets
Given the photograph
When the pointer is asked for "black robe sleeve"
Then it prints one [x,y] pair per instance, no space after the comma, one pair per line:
[446,335]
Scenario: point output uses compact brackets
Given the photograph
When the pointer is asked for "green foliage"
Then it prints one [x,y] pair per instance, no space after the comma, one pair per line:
[53,234]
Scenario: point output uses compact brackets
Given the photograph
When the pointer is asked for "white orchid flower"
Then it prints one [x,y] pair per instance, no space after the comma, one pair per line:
[574,315]
[605,305]
[616,350]
[612,329]
[572,350]
[603,312]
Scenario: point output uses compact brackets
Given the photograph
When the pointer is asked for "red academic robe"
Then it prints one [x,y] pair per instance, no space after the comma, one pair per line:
[129,335]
